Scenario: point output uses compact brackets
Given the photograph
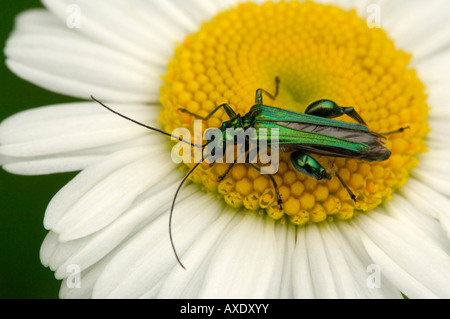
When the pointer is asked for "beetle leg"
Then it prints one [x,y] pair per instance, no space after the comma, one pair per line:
[227,108]
[279,200]
[309,166]
[329,109]
[222,177]
[259,92]
[350,111]
[400,130]
[346,187]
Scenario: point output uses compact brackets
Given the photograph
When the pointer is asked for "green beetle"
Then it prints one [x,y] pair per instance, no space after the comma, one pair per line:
[312,132]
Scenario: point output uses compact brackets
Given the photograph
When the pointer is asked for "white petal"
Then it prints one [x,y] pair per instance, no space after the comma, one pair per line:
[399,277]
[107,239]
[436,140]
[331,262]
[434,170]
[134,271]
[439,126]
[152,293]
[436,180]
[359,262]
[48,247]
[346,285]
[178,16]
[201,11]
[160,23]
[429,202]
[87,280]
[244,263]
[109,198]
[321,273]
[62,252]
[186,283]
[48,121]
[286,236]
[429,35]
[408,259]
[301,271]
[435,71]
[81,184]
[427,40]
[404,211]
[36,20]
[130,34]
[63,61]
[49,165]
[70,136]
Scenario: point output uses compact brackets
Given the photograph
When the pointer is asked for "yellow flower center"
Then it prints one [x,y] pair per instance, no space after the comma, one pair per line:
[319,52]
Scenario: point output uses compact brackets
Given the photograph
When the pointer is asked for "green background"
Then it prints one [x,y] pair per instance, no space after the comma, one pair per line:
[23,199]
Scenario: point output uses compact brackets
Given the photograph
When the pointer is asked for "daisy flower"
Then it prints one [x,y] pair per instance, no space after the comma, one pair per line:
[108,227]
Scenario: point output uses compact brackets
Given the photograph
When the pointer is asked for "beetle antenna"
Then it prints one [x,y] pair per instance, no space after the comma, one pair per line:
[171,213]
[143,125]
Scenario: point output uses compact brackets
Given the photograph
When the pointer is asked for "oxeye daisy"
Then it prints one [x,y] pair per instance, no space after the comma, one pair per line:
[108,227]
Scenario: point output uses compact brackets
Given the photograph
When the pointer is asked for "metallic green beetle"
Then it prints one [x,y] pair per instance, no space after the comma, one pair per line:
[312,132]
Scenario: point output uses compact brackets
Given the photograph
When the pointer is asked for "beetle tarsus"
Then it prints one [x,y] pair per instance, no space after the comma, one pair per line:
[280,203]
[400,130]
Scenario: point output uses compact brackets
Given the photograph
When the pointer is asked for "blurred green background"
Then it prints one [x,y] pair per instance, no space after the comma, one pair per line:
[23,199]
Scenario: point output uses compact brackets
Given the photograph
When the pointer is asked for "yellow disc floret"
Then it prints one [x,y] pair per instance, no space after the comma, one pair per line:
[319,52]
